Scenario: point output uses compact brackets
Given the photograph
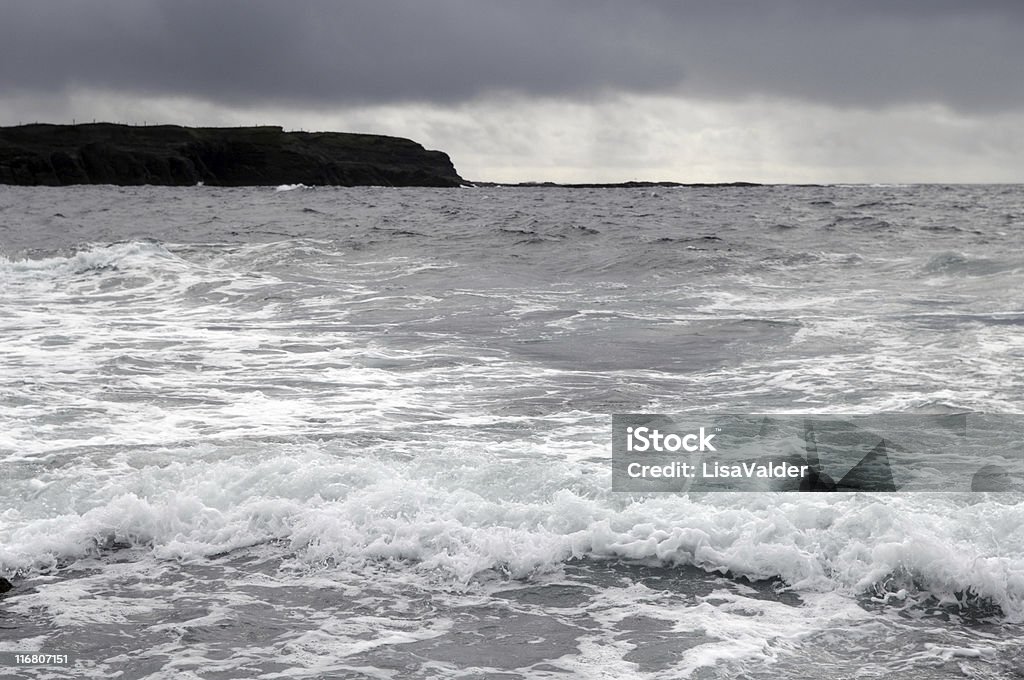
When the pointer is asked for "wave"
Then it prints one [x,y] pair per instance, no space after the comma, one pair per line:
[461,515]
[860,224]
[961,264]
[92,258]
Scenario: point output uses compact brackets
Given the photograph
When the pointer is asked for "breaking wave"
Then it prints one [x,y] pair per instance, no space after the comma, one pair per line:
[444,514]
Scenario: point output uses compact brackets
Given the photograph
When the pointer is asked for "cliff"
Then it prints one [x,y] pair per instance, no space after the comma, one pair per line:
[104,153]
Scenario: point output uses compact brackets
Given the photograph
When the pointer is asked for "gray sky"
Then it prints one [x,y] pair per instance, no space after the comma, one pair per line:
[576,90]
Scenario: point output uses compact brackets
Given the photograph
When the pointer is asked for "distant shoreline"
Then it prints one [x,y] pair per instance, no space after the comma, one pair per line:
[615,185]
[173,155]
[44,154]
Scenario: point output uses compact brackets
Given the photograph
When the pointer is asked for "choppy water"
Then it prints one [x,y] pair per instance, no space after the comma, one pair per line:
[366,432]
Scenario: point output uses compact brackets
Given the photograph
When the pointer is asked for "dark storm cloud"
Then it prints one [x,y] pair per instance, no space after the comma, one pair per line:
[850,53]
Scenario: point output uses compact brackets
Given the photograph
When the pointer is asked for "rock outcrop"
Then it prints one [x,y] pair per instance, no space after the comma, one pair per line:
[105,153]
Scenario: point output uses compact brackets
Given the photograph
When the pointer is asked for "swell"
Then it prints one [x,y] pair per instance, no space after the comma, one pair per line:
[460,513]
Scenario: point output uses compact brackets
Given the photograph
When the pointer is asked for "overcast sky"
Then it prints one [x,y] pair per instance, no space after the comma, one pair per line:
[575,90]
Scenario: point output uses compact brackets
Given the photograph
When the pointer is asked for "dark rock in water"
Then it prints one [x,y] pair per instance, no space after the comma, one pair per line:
[104,153]
[5,585]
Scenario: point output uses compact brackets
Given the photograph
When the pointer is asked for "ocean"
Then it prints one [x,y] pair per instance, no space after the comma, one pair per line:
[366,433]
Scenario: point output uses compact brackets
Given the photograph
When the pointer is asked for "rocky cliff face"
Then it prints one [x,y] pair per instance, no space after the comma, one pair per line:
[104,153]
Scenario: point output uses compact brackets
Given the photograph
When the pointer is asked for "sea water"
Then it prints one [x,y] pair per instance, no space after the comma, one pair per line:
[366,433]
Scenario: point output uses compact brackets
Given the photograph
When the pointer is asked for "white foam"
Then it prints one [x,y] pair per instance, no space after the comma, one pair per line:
[462,510]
